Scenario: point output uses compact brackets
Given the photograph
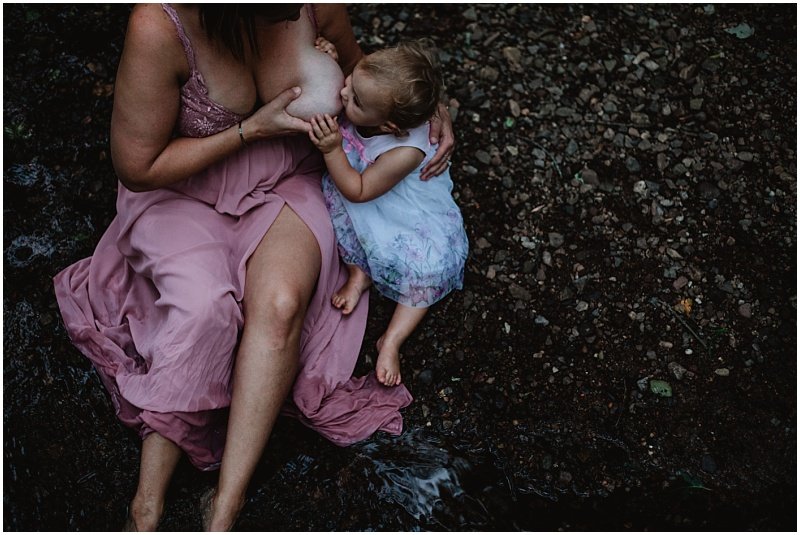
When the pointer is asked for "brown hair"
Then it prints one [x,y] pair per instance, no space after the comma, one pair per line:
[225,23]
[411,73]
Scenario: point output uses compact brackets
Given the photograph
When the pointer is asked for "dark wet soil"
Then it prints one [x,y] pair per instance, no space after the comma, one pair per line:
[623,355]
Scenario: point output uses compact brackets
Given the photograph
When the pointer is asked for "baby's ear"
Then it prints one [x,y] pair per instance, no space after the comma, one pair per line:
[390,128]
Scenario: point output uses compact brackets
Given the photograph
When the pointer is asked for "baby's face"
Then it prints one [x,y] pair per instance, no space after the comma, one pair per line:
[366,102]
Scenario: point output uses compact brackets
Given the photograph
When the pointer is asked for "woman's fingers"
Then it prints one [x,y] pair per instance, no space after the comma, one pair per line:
[441,131]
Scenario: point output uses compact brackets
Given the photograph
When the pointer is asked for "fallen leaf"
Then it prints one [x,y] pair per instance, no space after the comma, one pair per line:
[742,31]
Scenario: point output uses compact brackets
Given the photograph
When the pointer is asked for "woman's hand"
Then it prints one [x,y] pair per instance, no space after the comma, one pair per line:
[323,45]
[325,134]
[271,119]
[442,133]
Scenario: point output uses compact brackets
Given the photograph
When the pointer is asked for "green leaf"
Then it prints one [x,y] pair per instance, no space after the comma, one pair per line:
[662,388]
[742,31]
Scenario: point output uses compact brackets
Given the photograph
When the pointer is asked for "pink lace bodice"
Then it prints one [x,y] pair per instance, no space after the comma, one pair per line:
[199,116]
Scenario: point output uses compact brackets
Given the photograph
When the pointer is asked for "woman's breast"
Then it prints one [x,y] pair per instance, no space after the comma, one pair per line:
[287,59]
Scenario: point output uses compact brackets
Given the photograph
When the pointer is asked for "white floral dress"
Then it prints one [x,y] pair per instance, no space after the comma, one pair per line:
[410,240]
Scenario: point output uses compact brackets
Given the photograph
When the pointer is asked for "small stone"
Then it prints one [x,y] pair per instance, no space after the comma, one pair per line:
[680,282]
[722,372]
[589,177]
[556,239]
[513,107]
[745,156]
[483,243]
[426,378]
[708,464]
[581,306]
[541,320]
[512,54]
[744,310]
[633,164]
[489,73]
[565,478]
[696,104]
[518,292]
[650,65]
[640,119]
[470,15]
[483,157]
[677,370]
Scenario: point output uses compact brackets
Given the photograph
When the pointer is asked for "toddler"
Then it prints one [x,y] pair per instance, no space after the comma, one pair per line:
[404,235]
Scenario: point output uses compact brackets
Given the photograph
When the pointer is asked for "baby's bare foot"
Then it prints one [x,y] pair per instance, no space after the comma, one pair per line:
[387,368]
[346,298]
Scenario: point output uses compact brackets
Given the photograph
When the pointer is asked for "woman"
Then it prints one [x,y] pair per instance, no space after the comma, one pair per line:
[221,244]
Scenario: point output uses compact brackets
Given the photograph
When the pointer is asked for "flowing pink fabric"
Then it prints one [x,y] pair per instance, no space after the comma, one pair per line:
[158,307]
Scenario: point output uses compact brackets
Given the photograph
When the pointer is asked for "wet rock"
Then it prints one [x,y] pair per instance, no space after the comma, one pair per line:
[722,372]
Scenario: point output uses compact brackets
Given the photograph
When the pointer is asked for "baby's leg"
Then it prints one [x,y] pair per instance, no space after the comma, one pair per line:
[403,323]
[348,295]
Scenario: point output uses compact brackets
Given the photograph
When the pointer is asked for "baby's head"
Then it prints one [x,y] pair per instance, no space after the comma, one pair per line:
[394,89]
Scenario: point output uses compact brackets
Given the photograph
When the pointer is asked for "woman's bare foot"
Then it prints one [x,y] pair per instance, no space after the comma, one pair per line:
[346,298]
[216,518]
[387,368]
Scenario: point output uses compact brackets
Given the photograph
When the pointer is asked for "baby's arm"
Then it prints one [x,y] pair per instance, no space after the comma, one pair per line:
[392,167]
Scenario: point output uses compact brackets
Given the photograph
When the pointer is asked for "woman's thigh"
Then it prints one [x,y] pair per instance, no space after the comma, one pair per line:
[282,272]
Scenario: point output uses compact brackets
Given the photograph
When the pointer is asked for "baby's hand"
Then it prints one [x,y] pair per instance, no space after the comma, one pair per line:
[323,45]
[325,133]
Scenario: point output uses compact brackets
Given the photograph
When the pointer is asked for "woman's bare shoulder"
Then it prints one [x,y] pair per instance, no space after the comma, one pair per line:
[152,34]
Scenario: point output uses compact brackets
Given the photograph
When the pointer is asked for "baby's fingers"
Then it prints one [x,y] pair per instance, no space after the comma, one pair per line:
[331,123]
[317,128]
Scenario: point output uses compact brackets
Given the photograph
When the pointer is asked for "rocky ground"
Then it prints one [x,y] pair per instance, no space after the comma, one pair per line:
[623,354]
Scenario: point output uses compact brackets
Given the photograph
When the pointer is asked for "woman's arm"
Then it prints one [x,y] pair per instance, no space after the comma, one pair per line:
[147,103]
[333,23]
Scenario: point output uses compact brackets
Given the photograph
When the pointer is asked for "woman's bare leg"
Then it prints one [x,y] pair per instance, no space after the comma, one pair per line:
[280,281]
[160,456]
[348,295]
[404,321]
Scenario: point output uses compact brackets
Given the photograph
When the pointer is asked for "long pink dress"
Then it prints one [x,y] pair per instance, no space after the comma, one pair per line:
[158,307]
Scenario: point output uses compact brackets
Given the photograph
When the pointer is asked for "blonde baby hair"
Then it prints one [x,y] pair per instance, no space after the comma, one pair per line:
[412,74]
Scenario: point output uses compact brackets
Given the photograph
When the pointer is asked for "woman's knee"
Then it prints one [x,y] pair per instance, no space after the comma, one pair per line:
[279,313]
